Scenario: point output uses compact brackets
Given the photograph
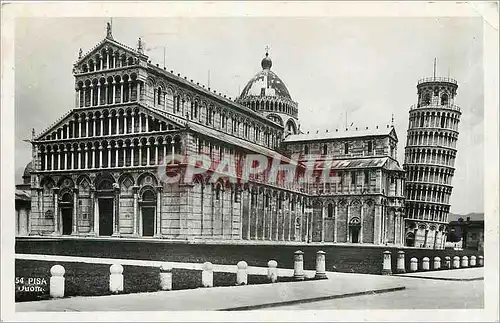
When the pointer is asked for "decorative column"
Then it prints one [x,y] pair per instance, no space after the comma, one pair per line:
[74,219]
[132,153]
[156,152]
[335,223]
[93,156]
[135,188]
[93,211]
[52,160]
[323,223]
[80,127]
[158,233]
[56,211]
[91,94]
[148,148]
[66,158]
[124,149]
[87,159]
[140,153]
[140,122]
[129,90]
[101,128]
[109,155]
[72,155]
[121,91]
[117,123]
[59,164]
[361,229]
[147,123]
[116,154]
[79,152]
[133,122]
[116,210]
[100,155]
[114,92]
[109,124]
[98,93]
[347,223]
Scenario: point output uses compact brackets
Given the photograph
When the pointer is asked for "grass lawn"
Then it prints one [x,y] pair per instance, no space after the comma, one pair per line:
[83,279]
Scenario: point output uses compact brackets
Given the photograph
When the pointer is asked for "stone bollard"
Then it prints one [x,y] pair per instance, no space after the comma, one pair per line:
[400,265]
[320,265]
[413,264]
[241,273]
[298,266]
[465,261]
[272,271]
[57,281]
[207,275]
[456,262]
[425,263]
[166,277]
[437,263]
[386,266]
[480,261]
[447,262]
[116,278]
[472,261]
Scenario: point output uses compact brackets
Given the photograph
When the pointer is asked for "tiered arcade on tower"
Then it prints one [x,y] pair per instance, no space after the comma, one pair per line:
[430,155]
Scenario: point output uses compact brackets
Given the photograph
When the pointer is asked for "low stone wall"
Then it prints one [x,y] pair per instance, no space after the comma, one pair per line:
[343,258]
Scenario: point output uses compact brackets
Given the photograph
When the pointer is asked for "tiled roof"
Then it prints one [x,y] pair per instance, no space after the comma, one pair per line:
[23,195]
[339,133]
[375,162]
[239,142]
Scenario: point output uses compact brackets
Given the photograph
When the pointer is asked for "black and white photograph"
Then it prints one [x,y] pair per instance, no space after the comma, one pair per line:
[279,161]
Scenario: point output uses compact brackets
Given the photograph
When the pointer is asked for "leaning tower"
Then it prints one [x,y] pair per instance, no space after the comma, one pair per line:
[430,154]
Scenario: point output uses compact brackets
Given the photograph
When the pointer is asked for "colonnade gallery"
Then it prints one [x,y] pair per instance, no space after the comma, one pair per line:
[149,153]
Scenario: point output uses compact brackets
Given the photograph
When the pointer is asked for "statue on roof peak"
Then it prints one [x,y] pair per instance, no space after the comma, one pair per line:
[109,30]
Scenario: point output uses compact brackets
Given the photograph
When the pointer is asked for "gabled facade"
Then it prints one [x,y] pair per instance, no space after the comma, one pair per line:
[104,169]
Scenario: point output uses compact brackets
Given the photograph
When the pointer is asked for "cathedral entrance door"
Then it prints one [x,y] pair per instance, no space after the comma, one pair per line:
[355,234]
[67,220]
[148,221]
[105,216]
[410,240]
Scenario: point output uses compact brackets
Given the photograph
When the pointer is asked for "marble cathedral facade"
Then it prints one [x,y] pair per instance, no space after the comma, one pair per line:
[99,170]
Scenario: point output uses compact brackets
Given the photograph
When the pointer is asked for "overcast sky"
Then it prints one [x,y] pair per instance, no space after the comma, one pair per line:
[368,67]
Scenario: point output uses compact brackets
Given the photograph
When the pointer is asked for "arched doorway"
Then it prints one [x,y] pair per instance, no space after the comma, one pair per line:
[106,206]
[148,211]
[354,229]
[410,239]
[66,208]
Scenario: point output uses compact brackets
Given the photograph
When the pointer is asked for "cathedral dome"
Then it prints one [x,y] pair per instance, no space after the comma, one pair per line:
[265,83]
[27,173]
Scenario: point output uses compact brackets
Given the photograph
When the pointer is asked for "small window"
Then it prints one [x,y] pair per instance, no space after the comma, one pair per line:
[353,177]
[237,196]
[427,99]
[267,200]
[159,95]
[436,91]
[325,149]
[367,176]
[306,150]
[370,147]
[330,210]
[217,193]
[346,148]
[444,99]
